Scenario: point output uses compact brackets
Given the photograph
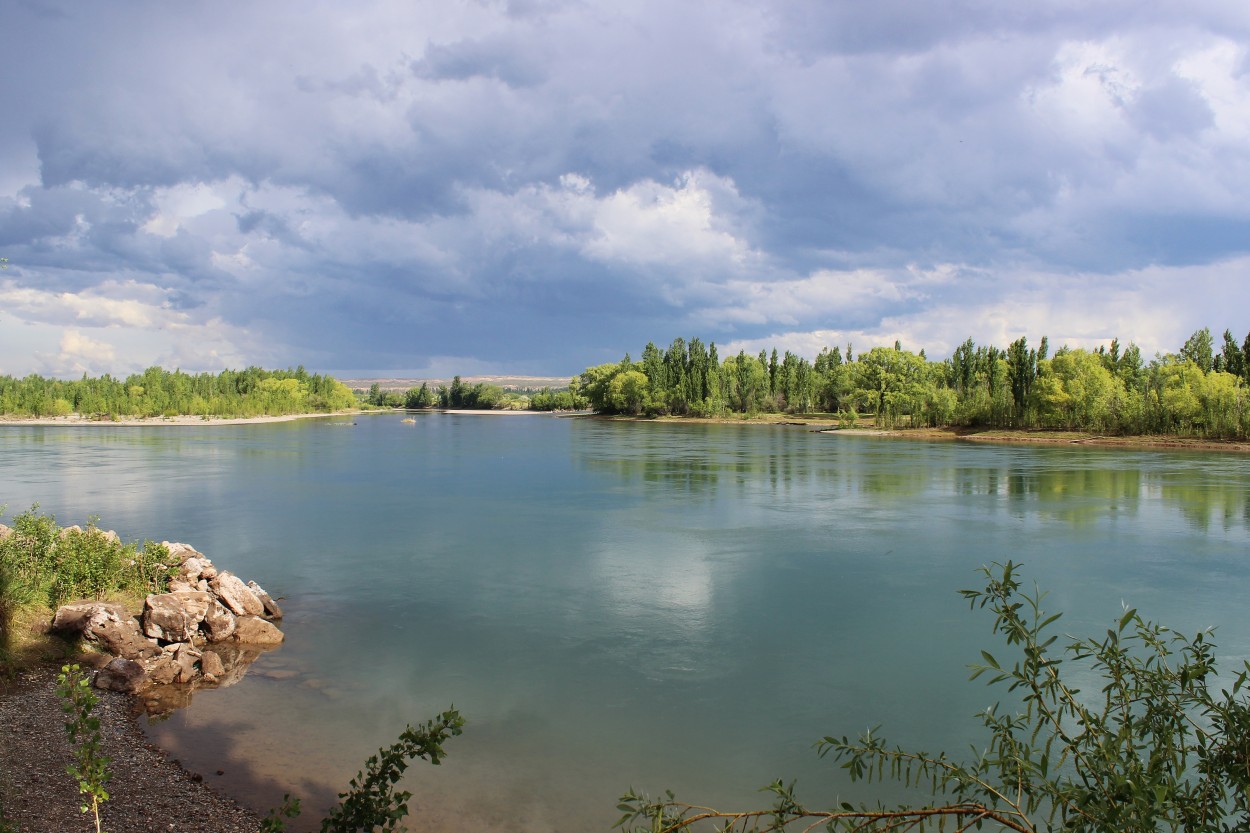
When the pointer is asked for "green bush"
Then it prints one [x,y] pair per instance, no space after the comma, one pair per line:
[41,562]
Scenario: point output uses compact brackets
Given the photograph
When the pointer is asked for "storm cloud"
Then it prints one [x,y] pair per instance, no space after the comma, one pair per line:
[532,187]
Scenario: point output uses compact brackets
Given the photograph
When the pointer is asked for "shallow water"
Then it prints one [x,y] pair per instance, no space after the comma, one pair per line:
[616,604]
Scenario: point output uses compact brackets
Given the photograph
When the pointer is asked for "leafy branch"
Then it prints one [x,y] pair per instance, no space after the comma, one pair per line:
[372,803]
[1158,747]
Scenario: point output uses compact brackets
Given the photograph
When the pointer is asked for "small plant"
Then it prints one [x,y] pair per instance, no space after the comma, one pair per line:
[90,768]
[371,803]
[273,823]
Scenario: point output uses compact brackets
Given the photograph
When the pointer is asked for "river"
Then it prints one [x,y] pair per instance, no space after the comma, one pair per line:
[617,604]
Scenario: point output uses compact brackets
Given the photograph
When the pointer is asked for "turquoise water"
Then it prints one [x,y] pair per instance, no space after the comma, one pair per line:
[616,604]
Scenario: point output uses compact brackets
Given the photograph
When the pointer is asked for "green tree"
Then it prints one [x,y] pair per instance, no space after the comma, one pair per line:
[893,382]
[1075,390]
[628,392]
[417,398]
[594,384]
[1198,349]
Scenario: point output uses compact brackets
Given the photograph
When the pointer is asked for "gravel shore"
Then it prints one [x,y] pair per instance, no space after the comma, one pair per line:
[148,793]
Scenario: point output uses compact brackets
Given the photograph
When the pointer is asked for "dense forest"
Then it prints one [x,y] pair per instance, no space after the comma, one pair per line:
[157,392]
[1198,391]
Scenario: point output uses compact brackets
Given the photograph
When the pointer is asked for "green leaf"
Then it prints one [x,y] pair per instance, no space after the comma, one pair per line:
[1127,617]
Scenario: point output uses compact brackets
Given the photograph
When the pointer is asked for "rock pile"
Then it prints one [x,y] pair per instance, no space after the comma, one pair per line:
[204,631]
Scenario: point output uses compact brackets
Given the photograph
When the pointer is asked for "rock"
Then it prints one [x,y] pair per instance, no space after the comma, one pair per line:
[175,617]
[163,669]
[271,607]
[254,630]
[219,623]
[235,595]
[209,572]
[107,625]
[120,675]
[191,568]
[212,666]
[188,661]
[112,537]
[5,531]
[76,616]
[65,531]
[179,553]
[177,585]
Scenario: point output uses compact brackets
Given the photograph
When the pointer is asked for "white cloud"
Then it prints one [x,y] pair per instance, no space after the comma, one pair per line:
[117,328]
[177,204]
[1157,308]
[78,355]
[671,225]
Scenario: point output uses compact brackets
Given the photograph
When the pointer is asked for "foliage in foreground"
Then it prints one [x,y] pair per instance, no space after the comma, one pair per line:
[1160,746]
[90,767]
[371,803]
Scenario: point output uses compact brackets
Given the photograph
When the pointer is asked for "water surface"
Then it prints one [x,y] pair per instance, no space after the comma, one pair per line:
[616,604]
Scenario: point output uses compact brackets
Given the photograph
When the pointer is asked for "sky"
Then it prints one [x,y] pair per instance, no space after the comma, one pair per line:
[531,187]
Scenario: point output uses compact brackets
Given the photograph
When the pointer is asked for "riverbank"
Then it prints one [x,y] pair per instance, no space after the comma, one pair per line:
[148,792]
[79,419]
[825,423]
[981,435]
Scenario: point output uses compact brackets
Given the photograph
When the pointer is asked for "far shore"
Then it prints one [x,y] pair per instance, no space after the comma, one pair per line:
[184,419]
[987,435]
[826,424]
[821,423]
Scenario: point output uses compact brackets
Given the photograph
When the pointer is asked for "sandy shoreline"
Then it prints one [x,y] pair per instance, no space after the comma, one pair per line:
[132,422]
[829,425]
[1146,442]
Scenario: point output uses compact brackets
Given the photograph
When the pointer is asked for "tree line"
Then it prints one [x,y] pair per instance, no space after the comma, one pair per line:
[1197,391]
[157,392]
[461,395]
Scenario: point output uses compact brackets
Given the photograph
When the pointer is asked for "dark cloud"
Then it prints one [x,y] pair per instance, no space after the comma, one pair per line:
[503,61]
[528,182]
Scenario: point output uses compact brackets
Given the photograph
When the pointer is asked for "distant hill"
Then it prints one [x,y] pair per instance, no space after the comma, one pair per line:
[505,382]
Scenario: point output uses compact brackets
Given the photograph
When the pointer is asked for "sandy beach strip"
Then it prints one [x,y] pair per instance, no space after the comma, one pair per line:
[133,422]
